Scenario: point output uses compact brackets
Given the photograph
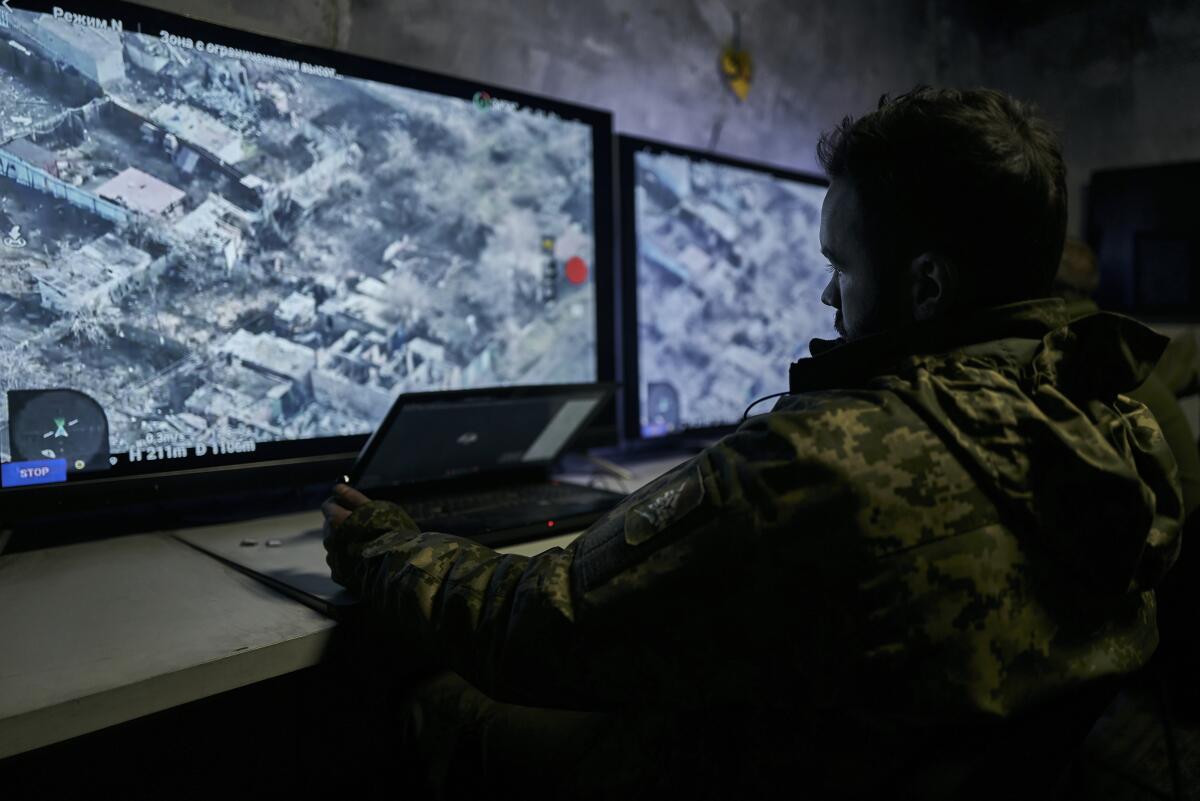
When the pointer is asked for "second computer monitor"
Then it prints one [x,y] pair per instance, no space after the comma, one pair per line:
[723,279]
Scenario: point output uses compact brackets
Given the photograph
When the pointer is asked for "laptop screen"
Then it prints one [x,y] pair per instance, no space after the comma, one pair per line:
[435,438]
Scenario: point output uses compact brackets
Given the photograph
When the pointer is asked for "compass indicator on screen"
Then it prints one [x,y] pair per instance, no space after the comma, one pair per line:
[58,424]
[60,428]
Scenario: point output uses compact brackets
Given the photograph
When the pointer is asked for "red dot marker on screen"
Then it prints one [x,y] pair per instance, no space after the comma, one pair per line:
[577,270]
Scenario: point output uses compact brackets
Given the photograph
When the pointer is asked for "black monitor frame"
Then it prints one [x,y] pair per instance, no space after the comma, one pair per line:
[629,400]
[299,462]
[1125,206]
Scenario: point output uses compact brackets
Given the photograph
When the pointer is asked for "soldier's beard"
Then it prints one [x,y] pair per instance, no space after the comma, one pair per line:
[837,326]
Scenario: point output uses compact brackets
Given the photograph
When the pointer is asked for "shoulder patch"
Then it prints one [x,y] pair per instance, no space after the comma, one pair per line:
[651,519]
[658,512]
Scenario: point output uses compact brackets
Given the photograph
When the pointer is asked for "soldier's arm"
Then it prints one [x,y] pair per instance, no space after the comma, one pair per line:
[643,607]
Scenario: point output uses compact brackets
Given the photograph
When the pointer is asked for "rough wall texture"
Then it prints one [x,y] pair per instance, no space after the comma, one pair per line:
[652,62]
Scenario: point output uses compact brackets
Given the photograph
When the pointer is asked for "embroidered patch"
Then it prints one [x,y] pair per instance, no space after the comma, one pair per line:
[661,510]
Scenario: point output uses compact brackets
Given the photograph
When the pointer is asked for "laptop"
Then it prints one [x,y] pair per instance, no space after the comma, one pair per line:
[478,463]
[475,463]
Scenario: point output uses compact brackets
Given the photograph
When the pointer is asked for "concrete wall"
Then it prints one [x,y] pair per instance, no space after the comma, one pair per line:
[652,62]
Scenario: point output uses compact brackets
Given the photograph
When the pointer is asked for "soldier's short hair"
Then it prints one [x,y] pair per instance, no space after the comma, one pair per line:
[971,173]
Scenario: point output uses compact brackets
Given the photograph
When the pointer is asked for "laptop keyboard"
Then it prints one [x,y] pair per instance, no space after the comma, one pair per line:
[548,496]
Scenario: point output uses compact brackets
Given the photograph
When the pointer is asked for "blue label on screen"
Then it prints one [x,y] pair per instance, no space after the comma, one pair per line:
[22,474]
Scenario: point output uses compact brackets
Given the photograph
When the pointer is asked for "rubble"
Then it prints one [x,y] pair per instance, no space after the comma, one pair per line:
[263,254]
[730,277]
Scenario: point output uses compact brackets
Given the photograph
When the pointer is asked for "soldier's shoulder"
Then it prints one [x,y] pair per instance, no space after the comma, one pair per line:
[837,422]
[908,487]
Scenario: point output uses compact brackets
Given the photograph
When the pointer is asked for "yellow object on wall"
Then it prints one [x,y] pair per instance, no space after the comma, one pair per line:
[738,68]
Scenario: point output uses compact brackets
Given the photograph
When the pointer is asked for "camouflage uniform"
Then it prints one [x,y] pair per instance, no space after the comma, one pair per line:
[1176,370]
[938,534]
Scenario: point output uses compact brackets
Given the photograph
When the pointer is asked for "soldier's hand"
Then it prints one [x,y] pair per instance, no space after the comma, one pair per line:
[352,520]
[343,503]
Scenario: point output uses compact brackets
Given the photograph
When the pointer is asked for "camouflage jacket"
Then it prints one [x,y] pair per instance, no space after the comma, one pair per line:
[1175,370]
[937,532]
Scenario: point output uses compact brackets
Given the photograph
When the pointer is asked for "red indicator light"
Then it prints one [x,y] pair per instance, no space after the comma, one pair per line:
[549,524]
[577,270]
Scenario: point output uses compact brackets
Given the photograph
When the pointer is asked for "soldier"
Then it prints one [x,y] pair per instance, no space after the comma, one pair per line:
[920,574]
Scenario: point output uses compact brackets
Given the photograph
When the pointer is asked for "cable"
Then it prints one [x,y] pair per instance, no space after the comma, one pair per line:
[746,413]
[611,468]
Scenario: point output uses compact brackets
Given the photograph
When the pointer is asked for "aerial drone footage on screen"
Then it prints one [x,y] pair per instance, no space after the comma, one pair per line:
[223,248]
[729,280]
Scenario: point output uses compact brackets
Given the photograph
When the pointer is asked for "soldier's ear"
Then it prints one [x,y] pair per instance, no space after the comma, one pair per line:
[934,284]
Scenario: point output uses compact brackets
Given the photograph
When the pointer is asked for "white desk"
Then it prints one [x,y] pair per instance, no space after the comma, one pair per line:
[103,632]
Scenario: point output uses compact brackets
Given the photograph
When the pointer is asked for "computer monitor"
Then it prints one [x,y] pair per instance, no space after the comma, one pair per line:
[225,250]
[722,280]
[1141,222]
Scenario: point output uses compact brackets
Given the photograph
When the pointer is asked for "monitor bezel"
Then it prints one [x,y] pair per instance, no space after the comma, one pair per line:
[296,462]
[627,148]
[1107,191]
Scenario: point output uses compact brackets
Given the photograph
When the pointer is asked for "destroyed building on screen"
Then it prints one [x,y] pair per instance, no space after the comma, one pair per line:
[282,253]
[99,273]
